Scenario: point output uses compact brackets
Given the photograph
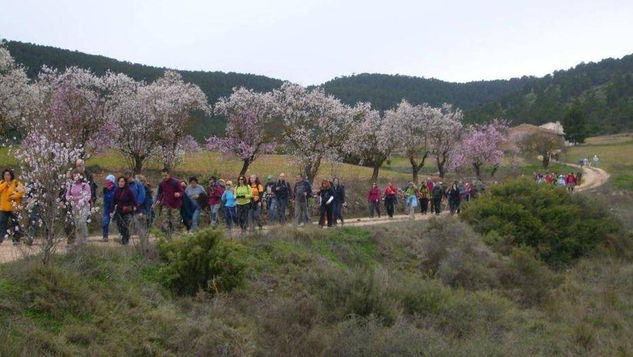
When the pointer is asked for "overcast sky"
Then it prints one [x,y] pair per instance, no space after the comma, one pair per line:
[310,42]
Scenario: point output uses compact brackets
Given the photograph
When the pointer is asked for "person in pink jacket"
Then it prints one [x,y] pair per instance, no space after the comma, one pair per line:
[78,195]
[373,196]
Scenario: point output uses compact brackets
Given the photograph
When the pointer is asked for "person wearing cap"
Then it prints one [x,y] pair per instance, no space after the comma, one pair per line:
[108,195]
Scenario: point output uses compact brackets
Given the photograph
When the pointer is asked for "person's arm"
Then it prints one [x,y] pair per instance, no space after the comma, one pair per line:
[249,192]
[134,202]
[140,197]
[179,191]
[3,185]
[159,193]
[18,192]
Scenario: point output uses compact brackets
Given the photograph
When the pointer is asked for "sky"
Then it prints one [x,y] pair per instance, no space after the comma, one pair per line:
[310,42]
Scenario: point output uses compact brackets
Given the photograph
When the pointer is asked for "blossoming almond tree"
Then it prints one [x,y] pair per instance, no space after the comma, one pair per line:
[315,125]
[413,125]
[481,146]
[16,94]
[445,134]
[248,133]
[370,140]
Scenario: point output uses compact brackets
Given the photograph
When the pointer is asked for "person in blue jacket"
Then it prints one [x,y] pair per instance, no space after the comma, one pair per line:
[108,195]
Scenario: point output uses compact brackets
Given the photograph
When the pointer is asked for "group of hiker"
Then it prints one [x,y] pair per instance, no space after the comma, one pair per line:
[586,162]
[570,180]
[133,203]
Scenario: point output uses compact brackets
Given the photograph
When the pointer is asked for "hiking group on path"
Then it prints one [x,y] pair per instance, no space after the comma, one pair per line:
[133,204]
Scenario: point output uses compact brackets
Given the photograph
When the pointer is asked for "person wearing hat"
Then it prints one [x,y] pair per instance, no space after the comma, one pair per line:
[108,195]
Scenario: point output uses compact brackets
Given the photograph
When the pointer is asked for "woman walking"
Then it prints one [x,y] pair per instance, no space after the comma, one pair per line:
[326,196]
[195,192]
[412,199]
[228,197]
[108,195]
[373,196]
[124,205]
[243,194]
[255,212]
[78,195]
[11,193]
[391,197]
[454,198]
[339,200]
[424,198]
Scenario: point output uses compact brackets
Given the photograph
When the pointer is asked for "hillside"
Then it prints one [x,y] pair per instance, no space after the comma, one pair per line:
[604,90]
[213,84]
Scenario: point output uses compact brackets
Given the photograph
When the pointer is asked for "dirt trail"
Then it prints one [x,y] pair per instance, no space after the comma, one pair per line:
[592,177]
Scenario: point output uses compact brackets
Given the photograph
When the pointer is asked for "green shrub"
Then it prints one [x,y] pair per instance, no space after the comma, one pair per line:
[559,226]
[202,261]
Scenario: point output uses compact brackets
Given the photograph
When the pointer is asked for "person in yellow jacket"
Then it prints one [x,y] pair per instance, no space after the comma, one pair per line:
[243,194]
[11,193]
[255,213]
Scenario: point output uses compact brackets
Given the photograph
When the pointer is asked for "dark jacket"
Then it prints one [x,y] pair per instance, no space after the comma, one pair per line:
[186,211]
[302,191]
[281,190]
[325,196]
[339,193]
[108,196]
[438,192]
[453,194]
[123,200]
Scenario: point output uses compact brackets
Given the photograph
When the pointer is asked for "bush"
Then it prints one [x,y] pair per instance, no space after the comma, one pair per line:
[559,226]
[202,261]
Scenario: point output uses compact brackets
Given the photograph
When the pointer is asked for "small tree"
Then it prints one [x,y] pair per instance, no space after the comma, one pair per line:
[575,125]
[315,125]
[541,143]
[481,146]
[247,133]
[412,123]
[371,141]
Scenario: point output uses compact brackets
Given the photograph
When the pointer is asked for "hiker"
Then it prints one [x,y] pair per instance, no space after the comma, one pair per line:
[424,195]
[596,160]
[326,197]
[579,178]
[437,194]
[468,188]
[281,191]
[88,177]
[454,198]
[243,194]
[169,199]
[187,209]
[412,199]
[339,200]
[214,192]
[561,181]
[147,213]
[301,192]
[196,193]
[373,196]
[108,195]
[391,198]
[429,186]
[11,193]
[570,180]
[269,196]
[123,207]
[255,212]
[78,196]
[230,213]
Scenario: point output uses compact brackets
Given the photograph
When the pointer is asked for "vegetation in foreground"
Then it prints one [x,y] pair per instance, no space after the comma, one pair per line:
[409,288]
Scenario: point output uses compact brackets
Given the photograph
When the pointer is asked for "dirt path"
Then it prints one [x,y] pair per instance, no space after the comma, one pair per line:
[592,178]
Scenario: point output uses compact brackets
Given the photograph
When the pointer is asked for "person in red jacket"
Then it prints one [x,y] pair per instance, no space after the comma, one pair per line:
[571,181]
[373,196]
[214,192]
[391,197]
[169,198]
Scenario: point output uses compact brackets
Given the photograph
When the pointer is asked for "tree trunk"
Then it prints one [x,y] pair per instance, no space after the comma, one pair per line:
[138,164]
[545,160]
[440,166]
[477,168]
[312,169]
[245,164]
[494,170]
[374,175]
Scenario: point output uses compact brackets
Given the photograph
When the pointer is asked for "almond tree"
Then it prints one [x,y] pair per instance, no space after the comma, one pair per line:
[481,146]
[315,125]
[370,140]
[247,134]
[413,125]
[445,134]
[16,94]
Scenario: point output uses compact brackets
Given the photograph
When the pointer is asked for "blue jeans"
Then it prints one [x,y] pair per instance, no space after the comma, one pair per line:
[105,223]
[230,215]
[194,217]
[215,221]
[272,210]
[282,203]
[338,211]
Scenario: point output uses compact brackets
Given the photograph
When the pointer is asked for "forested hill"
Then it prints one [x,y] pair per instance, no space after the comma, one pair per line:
[604,90]
[214,84]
